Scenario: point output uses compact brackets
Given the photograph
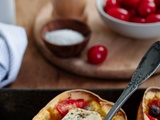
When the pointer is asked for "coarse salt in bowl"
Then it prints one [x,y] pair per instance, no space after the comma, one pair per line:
[66,37]
[129,29]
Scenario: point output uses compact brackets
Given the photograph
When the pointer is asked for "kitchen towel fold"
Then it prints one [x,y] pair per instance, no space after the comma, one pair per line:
[13,43]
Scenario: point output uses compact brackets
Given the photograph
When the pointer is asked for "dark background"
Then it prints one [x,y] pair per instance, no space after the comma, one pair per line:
[23,104]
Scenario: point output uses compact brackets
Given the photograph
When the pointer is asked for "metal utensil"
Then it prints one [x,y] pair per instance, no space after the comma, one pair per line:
[147,66]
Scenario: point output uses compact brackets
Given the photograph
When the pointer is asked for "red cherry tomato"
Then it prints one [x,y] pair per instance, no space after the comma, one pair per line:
[150,117]
[97,54]
[119,13]
[146,8]
[132,13]
[64,106]
[110,4]
[154,102]
[158,11]
[157,2]
[153,18]
[142,1]
[129,3]
[138,20]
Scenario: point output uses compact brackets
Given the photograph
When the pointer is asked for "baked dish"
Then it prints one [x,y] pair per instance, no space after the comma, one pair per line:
[149,108]
[78,104]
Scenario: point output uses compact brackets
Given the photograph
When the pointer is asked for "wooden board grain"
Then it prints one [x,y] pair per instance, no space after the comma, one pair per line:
[124,53]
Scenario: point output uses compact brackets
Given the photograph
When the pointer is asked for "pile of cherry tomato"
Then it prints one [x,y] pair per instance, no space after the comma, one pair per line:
[138,11]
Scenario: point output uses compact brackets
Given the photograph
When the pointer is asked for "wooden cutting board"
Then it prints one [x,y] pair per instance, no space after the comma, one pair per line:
[124,53]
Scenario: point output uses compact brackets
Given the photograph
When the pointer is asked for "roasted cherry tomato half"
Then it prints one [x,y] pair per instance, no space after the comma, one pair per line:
[64,106]
[150,117]
[97,54]
[119,13]
[154,102]
[154,108]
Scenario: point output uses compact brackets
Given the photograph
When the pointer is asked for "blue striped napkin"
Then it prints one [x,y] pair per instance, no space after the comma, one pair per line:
[13,43]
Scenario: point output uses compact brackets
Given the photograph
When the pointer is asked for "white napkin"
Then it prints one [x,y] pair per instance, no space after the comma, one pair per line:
[13,43]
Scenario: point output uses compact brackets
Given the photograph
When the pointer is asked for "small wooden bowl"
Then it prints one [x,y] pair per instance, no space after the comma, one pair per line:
[66,51]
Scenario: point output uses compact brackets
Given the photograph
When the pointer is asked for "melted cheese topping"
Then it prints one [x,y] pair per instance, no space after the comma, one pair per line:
[81,114]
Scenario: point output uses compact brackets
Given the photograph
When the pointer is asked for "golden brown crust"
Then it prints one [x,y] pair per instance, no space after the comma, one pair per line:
[149,94]
[139,113]
[50,113]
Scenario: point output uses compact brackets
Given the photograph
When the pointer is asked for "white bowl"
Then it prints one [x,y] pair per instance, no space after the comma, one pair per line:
[129,29]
